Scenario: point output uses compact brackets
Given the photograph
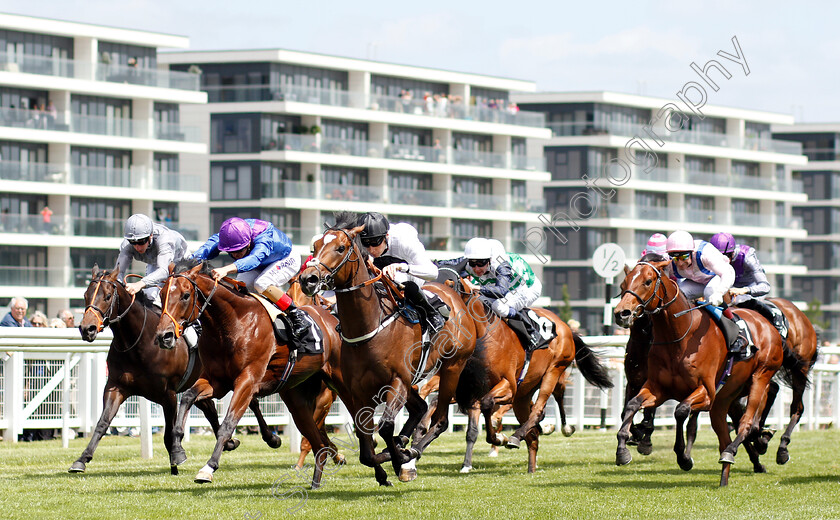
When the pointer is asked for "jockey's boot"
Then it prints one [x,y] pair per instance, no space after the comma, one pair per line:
[285,304]
[737,346]
[533,332]
[418,298]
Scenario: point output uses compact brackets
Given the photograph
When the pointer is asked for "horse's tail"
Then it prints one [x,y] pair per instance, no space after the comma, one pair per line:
[473,383]
[590,366]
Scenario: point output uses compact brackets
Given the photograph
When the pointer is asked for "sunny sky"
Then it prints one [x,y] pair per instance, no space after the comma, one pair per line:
[646,47]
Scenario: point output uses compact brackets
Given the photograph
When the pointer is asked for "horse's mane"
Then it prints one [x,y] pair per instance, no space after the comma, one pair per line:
[345,220]
[652,257]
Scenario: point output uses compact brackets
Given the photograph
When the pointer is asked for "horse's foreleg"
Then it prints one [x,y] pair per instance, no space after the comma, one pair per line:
[302,409]
[698,400]
[524,411]
[765,434]
[559,394]
[112,398]
[500,399]
[417,408]
[268,434]
[365,428]
[736,413]
[170,410]
[691,433]
[243,392]
[208,408]
[199,391]
[440,417]
[645,398]
[721,427]
[395,398]
[535,415]
[473,416]
[748,424]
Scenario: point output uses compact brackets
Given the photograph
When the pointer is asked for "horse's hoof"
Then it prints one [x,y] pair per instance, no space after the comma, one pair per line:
[178,458]
[686,464]
[567,430]
[203,477]
[759,468]
[77,467]
[493,453]
[548,430]
[727,458]
[386,483]
[782,456]
[339,459]
[466,469]
[501,439]
[513,443]
[760,446]
[231,445]
[173,470]
[645,447]
[622,457]
[407,475]
[274,442]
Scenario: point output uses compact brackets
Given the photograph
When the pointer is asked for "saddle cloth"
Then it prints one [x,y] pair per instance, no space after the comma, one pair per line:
[313,340]
[546,328]
[732,328]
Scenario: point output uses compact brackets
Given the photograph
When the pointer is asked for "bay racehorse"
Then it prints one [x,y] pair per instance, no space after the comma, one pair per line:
[493,375]
[136,366]
[242,354]
[383,350]
[687,360]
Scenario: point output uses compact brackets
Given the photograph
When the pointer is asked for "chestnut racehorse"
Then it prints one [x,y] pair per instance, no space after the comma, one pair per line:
[242,354]
[687,360]
[383,350]
[492,373]
[136,366]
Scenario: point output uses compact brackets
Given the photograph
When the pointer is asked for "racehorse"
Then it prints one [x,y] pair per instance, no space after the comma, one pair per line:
[242,354]
[136,366]
[383,350]
[687,360]
[493,375]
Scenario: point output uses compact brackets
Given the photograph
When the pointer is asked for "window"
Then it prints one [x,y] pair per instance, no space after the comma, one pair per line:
[282,180]
[99,217]
[410,181]
[234,133]
[24,161]
[23,265]
[232,181]
[287,221]
[275,129]
[101,166]
[345,176]
[219,215]
[463,230]
[83,260]
[745,169]
[651,205]
[699,164]
[392,87]
[423,225]
[122,54]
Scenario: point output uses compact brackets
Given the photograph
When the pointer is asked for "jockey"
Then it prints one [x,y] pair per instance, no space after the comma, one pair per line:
[153,244]
[157,246]
[751,283]
[704,272]
[397,250]
[507,283]
[657,244]
[262,255]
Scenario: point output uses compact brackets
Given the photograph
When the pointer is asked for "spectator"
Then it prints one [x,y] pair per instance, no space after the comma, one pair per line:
[57,323]
[66,316]
[38,319]
[574,325]
[46,215]
[16,316]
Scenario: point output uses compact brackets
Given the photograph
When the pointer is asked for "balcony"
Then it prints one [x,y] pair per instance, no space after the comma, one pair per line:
[681,136]
[417,197]
[288,189]
[351,192]
[820,154]
[98,125]
[65,68]
[132,177]
[428,154]
[479,201]
[779,258]
[396,104]
[31,172]
[720,179]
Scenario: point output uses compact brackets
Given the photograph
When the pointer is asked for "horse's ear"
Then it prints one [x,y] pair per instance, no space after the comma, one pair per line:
[171,268]
[626,270]
[95,271]
[115,272]
[661,265]
[356,230]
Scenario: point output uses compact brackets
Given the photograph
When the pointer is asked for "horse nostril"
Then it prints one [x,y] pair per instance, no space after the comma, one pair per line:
[91,329]
[625,314]
[311,280]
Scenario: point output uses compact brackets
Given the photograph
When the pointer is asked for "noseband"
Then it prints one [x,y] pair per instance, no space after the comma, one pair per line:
[193,317]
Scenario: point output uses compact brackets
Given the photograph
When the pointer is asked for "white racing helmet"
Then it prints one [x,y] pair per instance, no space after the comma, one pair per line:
[478,249]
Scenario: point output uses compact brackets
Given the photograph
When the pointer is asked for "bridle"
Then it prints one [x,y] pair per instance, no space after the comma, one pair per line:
[194,316]
[326,282]
[642,307]
[104,319]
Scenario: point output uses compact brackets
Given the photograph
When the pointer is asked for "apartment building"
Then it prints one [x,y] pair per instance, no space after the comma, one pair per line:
[296,136]
[613,180]
[90,133]
[820,216]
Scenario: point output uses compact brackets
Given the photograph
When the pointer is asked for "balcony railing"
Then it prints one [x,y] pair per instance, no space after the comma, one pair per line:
[288,189]
[66,68]
[99,125]
[27,223]
[680,136]
[351,192]
[457,110]
[479,201]
[31,172]
[25,276]
[417,197]
[820,154]
[175,181]
[780,258]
